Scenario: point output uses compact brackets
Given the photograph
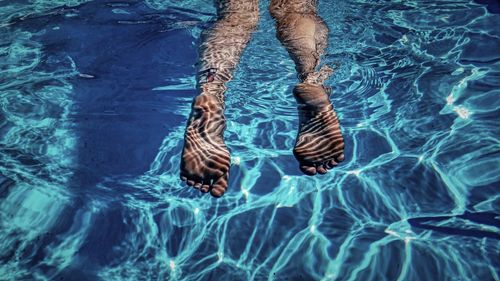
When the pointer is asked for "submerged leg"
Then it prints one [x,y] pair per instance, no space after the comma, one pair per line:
[319,145]
[205,157]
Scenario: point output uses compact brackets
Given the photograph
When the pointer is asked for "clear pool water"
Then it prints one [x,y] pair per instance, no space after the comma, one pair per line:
[94,98]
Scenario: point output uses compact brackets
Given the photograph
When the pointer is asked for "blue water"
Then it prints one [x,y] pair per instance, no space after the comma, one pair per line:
[94,98]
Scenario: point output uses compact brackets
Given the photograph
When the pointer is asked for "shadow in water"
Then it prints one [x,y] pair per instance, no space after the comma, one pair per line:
[127,56]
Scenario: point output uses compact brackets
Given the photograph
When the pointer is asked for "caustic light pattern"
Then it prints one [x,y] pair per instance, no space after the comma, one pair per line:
[94,99]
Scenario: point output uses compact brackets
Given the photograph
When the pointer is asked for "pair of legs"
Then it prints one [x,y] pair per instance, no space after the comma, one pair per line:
[319,145]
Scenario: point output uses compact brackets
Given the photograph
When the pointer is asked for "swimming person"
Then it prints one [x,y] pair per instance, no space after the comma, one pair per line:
[319,145]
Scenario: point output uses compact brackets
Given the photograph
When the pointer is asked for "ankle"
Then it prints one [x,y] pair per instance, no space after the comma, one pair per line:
[311,78]
[316,77]
[310,95]
[213,92]
[208,103]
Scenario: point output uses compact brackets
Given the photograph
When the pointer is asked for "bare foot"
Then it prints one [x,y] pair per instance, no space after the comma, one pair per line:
[319,145]
[205,157]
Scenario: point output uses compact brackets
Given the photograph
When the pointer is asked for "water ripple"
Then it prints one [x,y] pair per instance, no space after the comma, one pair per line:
[94,97]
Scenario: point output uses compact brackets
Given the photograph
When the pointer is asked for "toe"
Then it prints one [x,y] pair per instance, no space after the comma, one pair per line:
[326,165]
[340,158]
[190,182]
[321,170]
[330,164]
[183,176]
[308,170]
[219,186]
[197,185]
[204,188]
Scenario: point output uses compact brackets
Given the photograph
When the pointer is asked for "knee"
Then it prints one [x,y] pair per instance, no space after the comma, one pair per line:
[247,11]
[247,18]
[304,26]
[280,8]
[296,26]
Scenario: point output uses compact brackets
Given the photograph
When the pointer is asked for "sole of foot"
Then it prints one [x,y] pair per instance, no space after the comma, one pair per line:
[319,145]
[205,158]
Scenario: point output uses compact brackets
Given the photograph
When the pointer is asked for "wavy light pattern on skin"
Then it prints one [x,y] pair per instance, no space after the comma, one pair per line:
[416,90]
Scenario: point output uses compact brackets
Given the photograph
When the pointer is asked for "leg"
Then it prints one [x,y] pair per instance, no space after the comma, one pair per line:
[205,157]
[319,145]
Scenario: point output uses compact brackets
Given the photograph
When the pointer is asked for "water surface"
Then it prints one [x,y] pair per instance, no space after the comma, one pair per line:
[94,98]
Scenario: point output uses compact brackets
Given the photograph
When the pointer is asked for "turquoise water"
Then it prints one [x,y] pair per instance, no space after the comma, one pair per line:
[94,98]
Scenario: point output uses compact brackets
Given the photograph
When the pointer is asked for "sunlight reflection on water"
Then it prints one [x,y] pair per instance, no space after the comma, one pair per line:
[94,100]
